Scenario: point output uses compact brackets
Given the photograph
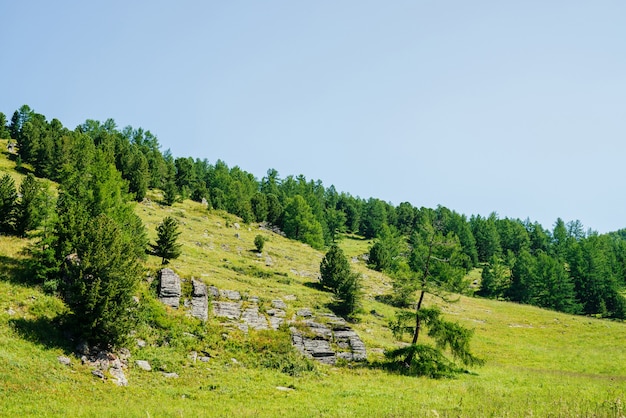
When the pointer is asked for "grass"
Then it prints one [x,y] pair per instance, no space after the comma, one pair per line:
[539,362]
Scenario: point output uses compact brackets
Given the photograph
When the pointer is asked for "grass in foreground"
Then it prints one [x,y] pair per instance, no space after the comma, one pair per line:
[539,362]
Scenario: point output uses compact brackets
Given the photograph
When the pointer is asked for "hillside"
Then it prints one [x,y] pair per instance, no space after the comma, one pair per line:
[538,362]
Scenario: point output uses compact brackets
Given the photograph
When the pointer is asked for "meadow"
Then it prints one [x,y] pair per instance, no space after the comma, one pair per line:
[538,362]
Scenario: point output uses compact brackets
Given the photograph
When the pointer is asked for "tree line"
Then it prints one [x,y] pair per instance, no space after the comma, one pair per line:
[101,169]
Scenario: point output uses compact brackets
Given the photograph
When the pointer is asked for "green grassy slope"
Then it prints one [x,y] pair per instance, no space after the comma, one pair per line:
[539,362]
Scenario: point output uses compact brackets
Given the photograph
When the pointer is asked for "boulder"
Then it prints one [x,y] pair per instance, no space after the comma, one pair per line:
[253,318]
[169,288]
[230,310]
[143,365]
[199,300]
[230,294]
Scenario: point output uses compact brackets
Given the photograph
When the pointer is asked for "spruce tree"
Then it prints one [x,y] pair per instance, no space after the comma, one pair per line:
[29,211]
[8,198]
[337,276]
[166,246]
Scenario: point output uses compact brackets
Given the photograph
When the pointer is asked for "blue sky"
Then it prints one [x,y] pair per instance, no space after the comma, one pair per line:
[513,107]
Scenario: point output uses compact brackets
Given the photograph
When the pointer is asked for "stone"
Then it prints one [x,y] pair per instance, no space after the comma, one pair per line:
[290,297]
[204,359]
[279,304]
[119,378]
[64,360]
[253,318]
[143,365]
[10,312]
[276,322]
[170,375]
[98,373]
[230,294]
[236,225]
[230,310]
[304,312]
[169,288]
[214,292]
[284,389]
[199,300]
[141,343]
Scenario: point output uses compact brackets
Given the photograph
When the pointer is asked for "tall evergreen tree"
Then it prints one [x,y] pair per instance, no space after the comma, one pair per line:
[8,202]
[29,211]
[337,276]
[166,246]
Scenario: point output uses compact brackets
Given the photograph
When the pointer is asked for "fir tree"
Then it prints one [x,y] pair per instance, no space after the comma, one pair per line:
[8,199]
[166,246]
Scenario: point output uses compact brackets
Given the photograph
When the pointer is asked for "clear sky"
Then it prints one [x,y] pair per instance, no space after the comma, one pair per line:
[517,107]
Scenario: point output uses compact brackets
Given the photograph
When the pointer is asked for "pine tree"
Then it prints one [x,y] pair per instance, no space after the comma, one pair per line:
[8,201]
[29,207]
[166,246]
[337,276]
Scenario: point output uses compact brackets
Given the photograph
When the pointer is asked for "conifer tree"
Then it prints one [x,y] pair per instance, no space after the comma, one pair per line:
[337,276]
[436,262]
[29,207]
[166,246]
[8,198]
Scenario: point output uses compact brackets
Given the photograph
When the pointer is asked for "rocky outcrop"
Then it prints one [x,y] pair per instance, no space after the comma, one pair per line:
[199,300]
[169,288]
[327,339]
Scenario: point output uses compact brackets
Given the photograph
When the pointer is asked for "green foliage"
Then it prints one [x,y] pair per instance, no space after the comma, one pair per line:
[274,350]
[8,201]
[300,223]
[385,253]
[166,246]
[31,205]
[494,279]
[337,276]
[425,360]
[170,193]
[100,281]
[259,243]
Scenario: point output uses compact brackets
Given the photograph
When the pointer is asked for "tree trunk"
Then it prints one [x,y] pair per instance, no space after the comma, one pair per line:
[418,321]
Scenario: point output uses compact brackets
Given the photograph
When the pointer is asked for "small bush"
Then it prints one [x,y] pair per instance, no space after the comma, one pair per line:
[259,242]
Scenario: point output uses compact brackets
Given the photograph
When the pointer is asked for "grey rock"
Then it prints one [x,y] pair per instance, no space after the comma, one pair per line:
[141,343]
[214,292]
[230,294]
[98,373]
[169,288]
[276,312]
[143,364]
[119,378]
[253,318]
[276,322]
[304,312]
[284,389]
[204,359]
[290,297]
[236,225]
[170,375]
[199,300]
[279,304]
[230,310]
[64,360]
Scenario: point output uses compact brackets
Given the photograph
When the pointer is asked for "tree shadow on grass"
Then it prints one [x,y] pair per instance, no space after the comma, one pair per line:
[316,286]
[16,271]
[44,331]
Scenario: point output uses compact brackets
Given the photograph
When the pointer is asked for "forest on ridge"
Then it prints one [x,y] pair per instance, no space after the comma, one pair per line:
[564,268]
